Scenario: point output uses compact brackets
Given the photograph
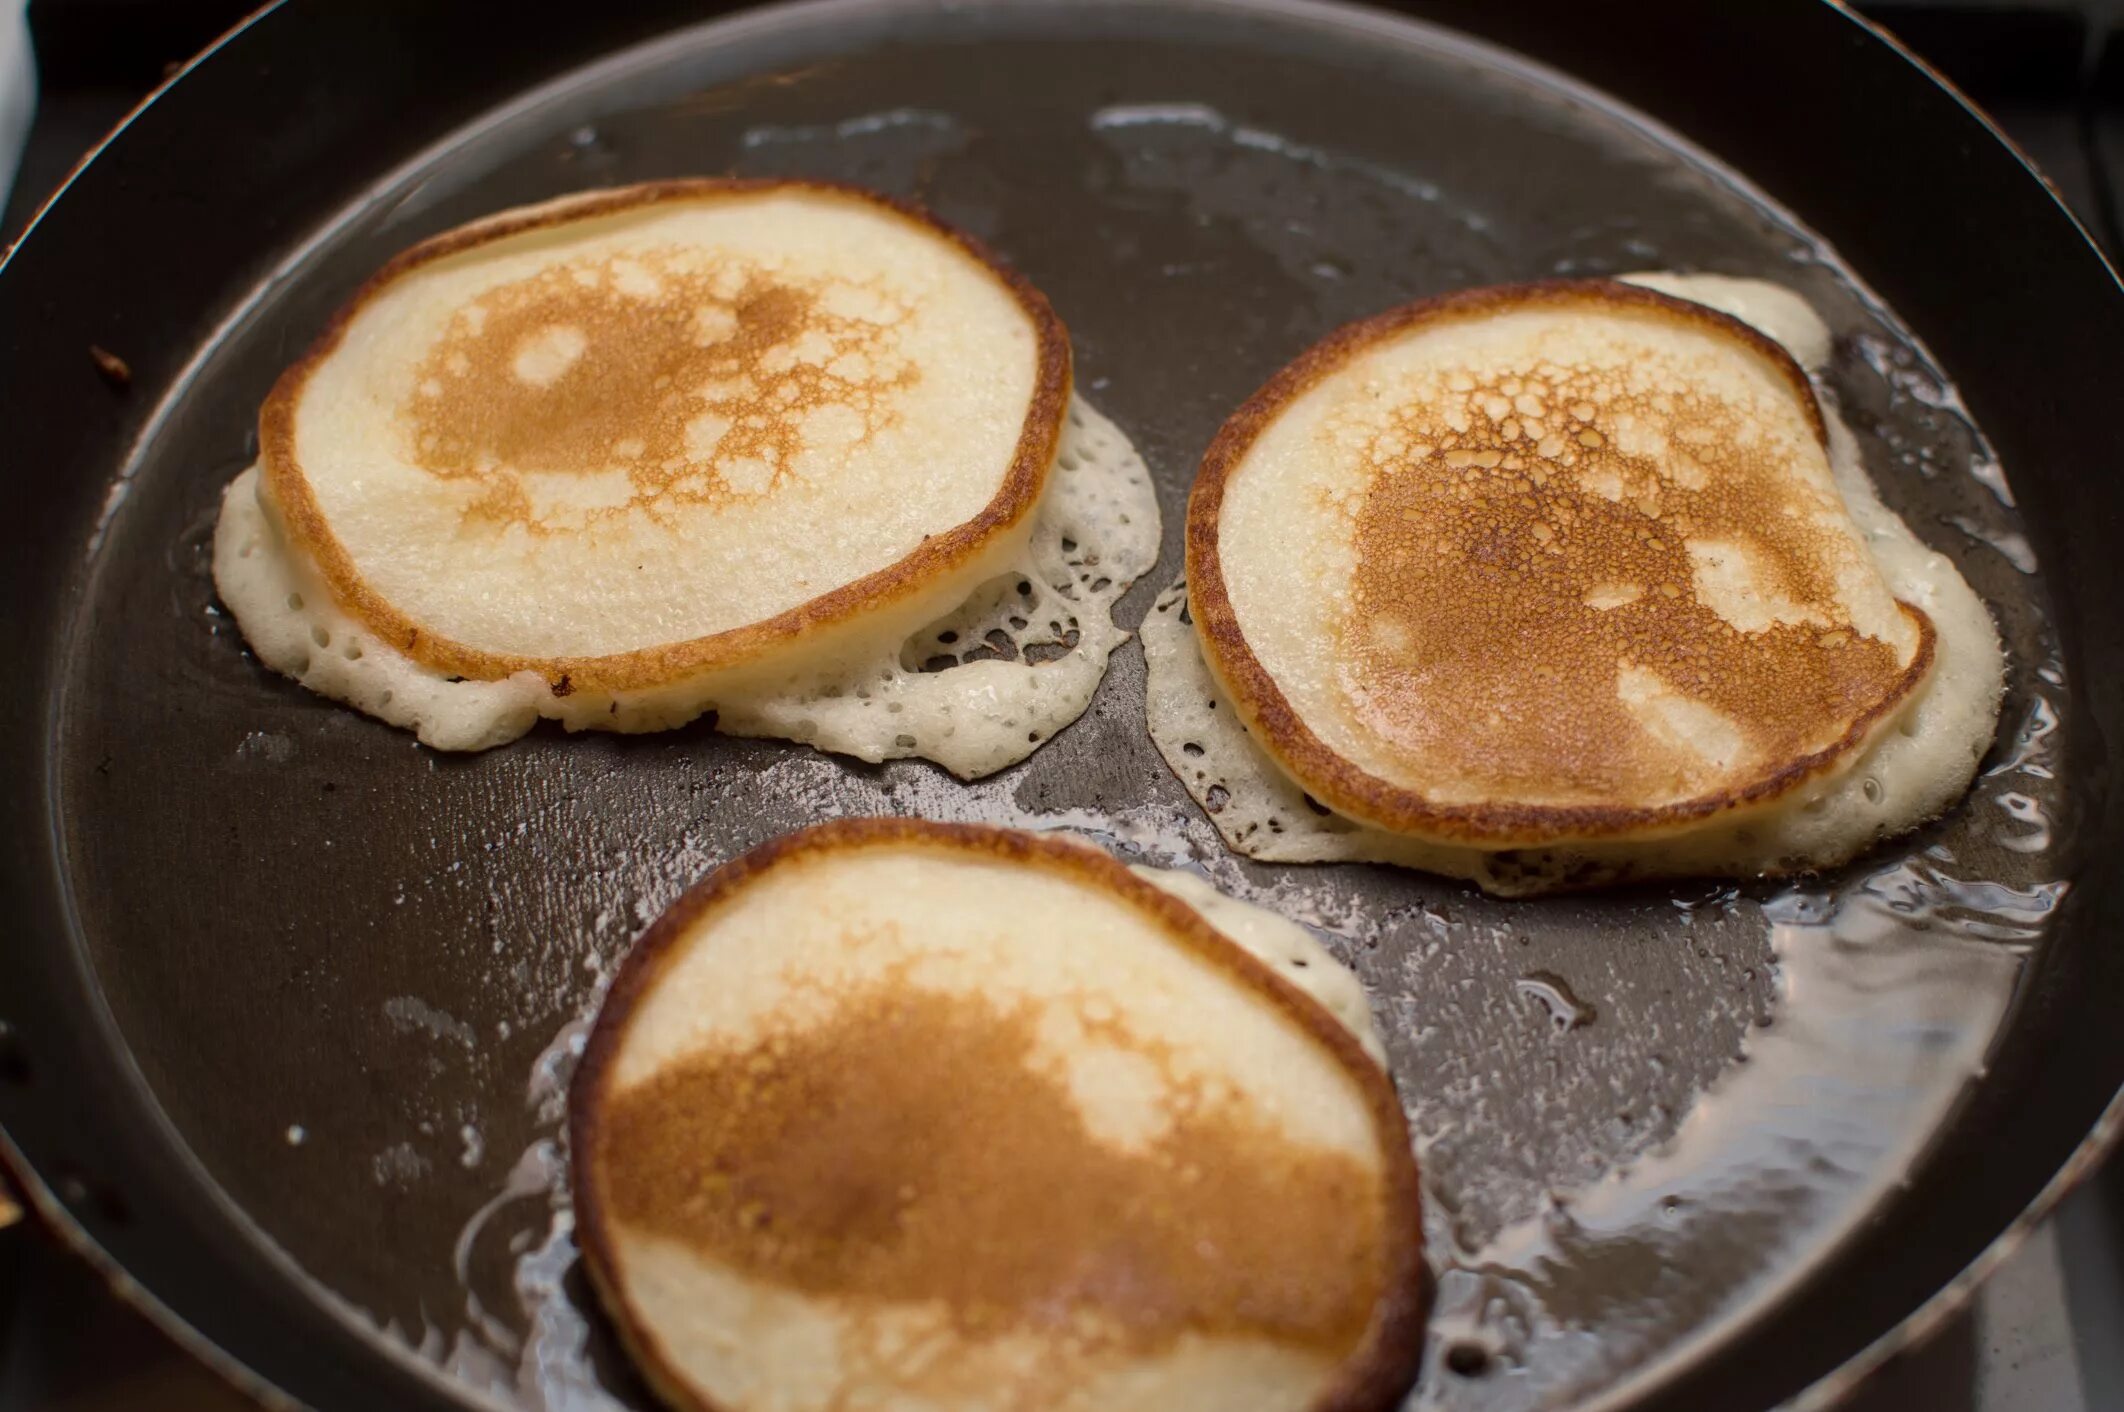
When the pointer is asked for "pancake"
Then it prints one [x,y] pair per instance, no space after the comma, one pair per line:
[1523,732]
[635,455]
[889,1113]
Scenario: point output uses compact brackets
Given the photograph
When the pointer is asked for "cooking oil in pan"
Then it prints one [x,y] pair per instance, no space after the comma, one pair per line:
[1858,1010]
[1888,990]
[1638,1114]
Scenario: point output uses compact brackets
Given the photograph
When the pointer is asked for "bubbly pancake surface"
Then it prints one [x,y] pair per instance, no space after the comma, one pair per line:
[967,1118]
[1545,562]
[636,435]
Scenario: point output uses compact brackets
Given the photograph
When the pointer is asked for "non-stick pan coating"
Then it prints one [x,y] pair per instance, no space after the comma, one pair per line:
[288,996]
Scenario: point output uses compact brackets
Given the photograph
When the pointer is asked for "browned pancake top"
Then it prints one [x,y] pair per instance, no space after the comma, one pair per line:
[696,378]
[908,1150]
[1600,580]
[693,377]
[1510,572]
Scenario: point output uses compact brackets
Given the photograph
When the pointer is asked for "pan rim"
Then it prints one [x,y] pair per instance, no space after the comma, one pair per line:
[2104,1140]
[1830,1389]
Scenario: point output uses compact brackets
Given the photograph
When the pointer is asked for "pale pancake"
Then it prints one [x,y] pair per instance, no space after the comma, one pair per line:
[634,435]
[976,690]
[1544,563]
[889,1113]
[1899,779]
[635,455]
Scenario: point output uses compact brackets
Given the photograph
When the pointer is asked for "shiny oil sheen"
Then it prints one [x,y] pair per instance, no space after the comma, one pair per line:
[1610,1199]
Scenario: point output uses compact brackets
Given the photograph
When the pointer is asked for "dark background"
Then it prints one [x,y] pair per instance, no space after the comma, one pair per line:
[2052,74]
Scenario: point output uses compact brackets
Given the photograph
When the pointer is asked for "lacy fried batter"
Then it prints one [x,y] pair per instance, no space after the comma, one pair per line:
[635,456]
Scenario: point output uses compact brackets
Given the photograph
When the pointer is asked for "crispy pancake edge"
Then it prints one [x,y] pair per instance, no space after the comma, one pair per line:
[666,663]
[1384,1364]
[1356,792]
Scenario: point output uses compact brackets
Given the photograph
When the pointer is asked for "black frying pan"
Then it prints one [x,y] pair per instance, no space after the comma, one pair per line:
[285,997]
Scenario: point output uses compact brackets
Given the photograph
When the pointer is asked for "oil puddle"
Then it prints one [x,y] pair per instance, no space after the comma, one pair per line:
[1553,994]
[549,1352]
[1877,1030]
[1890,991]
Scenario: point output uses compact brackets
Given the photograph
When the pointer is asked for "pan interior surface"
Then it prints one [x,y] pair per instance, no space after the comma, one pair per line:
[355,972]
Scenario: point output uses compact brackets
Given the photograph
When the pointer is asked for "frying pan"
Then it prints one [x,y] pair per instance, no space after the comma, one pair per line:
[287,1000]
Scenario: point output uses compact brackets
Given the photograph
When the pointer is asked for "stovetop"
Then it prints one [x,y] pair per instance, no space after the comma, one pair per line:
[2045,1335]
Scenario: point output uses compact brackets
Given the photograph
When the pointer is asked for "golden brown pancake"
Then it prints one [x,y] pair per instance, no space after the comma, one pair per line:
[1548,562]
[632,456]
[897,1113]
[682,356]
